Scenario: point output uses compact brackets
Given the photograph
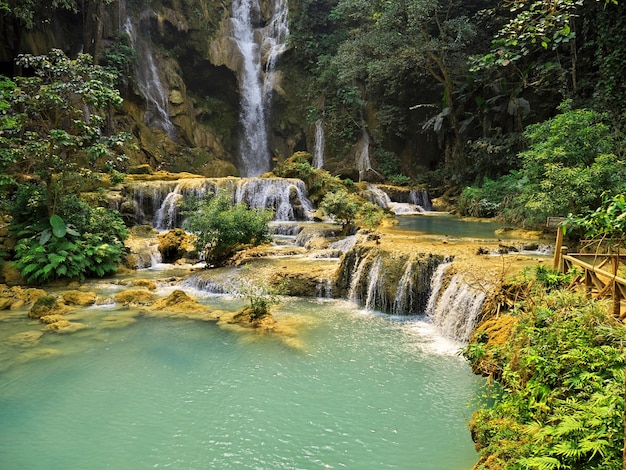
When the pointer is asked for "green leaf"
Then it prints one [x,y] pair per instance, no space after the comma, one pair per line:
[58,226]
[44,237]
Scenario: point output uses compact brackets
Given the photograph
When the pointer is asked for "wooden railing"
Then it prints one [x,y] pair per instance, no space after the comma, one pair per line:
[599,274]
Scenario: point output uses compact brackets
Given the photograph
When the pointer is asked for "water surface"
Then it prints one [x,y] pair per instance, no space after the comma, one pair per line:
[361,391]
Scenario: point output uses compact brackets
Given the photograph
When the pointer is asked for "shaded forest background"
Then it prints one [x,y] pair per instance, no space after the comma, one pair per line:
[505,108]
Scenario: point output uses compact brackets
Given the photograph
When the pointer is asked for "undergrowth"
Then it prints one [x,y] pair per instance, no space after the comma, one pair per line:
[560,402]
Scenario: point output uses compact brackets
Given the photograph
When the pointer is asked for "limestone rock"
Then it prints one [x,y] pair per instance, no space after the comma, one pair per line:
[49,319]
[47,305]
[176,244]
[179,301]
[134,297]
[76,297]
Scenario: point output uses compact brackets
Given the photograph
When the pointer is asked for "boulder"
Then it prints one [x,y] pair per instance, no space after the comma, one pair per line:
[47,305]
[134,297]
[77,297]
[179,301]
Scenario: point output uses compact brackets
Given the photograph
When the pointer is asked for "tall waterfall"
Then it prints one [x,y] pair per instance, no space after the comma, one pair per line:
[148,80]
[363,163]
[318,153]
[159,203]
[255,83]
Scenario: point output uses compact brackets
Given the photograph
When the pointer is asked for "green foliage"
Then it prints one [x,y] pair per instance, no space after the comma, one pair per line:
[60,133]
[563,381]
[222,228]
[318,181]
[571,161]
[120,57]
[607,222]
[79,241]
[8,125]
[491,198]
[341,206]
[259,292]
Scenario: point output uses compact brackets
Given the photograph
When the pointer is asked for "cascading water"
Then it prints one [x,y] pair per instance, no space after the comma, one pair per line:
[318,153]
[148,80]
[389,282]
[159,203]
[255,84]
[275,43]
[457,308]
[364,164]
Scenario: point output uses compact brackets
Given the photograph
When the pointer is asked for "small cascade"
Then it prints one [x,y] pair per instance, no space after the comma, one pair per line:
[324,289]
[456,310]
[400,202]
[318,153]
[375,285]
[420,197]
[363,163]
[287,197]
[255,83]
[344,245]
[148,80]
[390,282]
[159,203]
[205,285]
[436,284]
[377,196]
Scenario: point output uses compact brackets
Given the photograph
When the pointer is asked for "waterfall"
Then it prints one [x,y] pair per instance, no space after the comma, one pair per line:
[159,203]
[407,202]
[255,86]
[377,196]
[275,43]
[455,311]
[148,80]
[420,197]
[375,283]
[390,282]
[318,154]
[364,164]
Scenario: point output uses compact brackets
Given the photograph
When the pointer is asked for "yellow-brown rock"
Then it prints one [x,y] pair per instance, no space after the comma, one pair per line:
[47,305]
[134,297]
[49,319]
[179,301]
[76,297]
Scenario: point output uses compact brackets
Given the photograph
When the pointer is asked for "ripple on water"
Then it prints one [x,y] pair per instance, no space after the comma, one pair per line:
[361,392]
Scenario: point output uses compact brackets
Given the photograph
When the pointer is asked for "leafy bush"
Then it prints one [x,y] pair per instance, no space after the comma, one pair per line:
[80,241]
[562,375]
[222,228]
[491,198]
[572,160]
[341,206]
[61,252]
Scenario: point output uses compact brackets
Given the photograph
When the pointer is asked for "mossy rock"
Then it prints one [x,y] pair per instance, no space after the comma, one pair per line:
[47,305]
[76,297]
[179,301]
[135,297]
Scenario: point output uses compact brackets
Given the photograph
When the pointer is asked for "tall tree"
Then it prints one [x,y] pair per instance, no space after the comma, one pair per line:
[61,133]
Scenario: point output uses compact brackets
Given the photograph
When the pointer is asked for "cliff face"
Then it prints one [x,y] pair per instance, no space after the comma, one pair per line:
[188,47]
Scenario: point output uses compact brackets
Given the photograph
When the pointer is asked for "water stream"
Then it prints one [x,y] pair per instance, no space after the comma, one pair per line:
[318,152]
[148,79]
